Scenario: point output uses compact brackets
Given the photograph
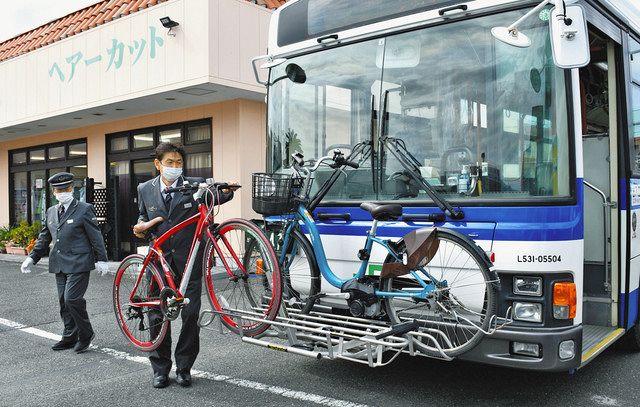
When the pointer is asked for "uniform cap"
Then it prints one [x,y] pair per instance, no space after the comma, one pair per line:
[61,180]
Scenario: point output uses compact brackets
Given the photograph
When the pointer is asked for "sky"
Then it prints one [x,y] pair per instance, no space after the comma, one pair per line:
[23,15]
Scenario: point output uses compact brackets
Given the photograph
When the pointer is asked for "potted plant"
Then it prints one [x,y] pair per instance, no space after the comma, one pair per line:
[21,236]
[4,238]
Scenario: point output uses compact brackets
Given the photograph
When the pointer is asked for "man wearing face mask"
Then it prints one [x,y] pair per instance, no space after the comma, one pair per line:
[78,248]
[155,201]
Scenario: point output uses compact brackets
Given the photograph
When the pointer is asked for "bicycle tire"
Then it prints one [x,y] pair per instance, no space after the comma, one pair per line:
[232,289]
[300,272]
[138,324]
[478,292]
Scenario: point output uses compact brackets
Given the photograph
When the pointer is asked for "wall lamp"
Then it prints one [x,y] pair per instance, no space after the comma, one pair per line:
[167,22]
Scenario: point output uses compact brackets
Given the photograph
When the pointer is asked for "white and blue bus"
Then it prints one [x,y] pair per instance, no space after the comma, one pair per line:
[540,156]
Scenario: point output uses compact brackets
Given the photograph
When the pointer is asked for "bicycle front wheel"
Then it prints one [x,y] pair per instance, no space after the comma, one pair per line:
[134,289]
[459,310]
[242,277]
[300,271]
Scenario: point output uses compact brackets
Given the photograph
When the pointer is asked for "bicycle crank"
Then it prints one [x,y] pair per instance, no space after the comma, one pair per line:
[170,303]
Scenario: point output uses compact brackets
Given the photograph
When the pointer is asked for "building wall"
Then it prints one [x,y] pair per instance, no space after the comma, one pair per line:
[133,57]
[238,147]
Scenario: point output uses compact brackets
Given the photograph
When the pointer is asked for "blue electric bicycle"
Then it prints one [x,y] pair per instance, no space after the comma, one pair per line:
[433,280]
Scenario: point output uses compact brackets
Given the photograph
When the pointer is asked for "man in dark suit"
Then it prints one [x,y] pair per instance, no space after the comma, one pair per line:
[154,201]
[77,245]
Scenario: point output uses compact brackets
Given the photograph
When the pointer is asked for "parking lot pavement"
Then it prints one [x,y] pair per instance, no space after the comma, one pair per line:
[229,373]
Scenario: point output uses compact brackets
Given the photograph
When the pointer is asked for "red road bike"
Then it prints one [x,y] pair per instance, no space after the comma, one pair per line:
[240,271]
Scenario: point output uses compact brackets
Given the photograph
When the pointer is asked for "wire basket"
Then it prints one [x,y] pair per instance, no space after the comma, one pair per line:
[275,194]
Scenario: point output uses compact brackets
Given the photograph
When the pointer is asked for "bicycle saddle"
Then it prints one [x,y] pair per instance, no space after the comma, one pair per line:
[382,212]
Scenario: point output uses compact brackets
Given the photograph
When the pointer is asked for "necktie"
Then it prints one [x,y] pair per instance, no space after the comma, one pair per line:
[167,199]
[61,211]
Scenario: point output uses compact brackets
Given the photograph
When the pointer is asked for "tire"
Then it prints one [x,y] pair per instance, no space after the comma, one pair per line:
[300,272]
[457,259]
[255,287]
[144,326]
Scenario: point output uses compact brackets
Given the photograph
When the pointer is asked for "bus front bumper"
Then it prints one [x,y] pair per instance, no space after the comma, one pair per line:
[497,349]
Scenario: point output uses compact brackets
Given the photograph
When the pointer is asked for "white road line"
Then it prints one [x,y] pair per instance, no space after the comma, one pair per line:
[250,384]
[604,401]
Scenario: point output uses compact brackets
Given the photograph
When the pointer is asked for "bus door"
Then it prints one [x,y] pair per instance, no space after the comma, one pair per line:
[598,96]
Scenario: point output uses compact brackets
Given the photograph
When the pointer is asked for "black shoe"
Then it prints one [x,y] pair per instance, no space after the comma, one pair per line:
[160,381]
[65,343]
[183,379]
[83,345]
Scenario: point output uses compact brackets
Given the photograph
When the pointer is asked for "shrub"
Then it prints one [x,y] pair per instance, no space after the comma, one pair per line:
[4,236]
[24,233]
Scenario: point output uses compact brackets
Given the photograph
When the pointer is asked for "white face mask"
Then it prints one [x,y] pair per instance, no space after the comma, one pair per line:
[64,197]
[170,173]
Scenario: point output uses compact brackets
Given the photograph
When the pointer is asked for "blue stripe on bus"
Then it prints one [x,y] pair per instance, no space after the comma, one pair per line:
[622,194]
[633,307]
[520,223]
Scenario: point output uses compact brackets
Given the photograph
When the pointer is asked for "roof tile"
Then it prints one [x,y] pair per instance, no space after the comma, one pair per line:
[81,20]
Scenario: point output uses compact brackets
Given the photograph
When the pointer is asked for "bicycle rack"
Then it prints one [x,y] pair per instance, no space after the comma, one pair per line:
[322,335]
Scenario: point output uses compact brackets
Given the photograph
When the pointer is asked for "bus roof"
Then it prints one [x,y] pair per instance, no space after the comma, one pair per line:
[627,11]
[299,22]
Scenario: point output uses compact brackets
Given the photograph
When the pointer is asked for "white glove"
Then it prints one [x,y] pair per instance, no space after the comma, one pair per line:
[26,265]
[102,267]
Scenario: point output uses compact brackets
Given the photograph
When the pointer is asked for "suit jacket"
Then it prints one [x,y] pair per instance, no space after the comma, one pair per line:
[151,205]
[77,241]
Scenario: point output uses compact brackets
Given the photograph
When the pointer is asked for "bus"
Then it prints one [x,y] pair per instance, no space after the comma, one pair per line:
[536,143]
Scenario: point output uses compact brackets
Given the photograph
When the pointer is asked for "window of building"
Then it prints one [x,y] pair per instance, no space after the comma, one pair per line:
[130,162]
[30,168]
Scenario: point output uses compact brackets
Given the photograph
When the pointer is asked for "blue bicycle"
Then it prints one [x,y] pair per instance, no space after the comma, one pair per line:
[433,280]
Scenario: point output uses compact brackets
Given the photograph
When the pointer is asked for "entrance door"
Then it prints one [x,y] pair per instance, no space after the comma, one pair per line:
[143,171]
[598,88]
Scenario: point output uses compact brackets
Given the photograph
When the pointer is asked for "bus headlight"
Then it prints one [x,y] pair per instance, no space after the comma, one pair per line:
[527,311]
[525,285]
[526,349]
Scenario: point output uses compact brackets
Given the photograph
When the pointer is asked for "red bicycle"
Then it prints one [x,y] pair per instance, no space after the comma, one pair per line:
[237,257]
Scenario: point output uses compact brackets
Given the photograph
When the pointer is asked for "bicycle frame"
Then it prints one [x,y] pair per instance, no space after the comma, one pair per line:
[155,251]
[303,216]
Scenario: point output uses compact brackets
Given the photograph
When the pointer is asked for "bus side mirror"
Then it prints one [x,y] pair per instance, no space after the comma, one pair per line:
[569,37]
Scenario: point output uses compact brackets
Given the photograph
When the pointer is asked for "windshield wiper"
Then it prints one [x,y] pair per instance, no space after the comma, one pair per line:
[412,165]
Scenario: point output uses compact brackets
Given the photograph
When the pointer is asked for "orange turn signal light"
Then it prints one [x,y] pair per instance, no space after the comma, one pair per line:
[564,300]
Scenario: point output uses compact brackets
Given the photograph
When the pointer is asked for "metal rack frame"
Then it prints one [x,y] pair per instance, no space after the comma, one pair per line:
[322,335]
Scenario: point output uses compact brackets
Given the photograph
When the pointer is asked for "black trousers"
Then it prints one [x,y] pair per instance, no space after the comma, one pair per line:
[188,345]
[73,307]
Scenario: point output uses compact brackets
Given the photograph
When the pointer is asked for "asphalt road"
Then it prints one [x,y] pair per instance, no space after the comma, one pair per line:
[230,373]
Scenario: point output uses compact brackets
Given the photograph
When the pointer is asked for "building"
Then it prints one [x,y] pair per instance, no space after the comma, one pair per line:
[95,91]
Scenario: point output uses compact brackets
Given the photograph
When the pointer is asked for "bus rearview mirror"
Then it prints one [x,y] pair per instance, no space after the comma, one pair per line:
[569,37]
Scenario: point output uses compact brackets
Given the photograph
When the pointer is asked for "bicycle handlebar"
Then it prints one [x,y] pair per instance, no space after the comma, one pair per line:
[202,186]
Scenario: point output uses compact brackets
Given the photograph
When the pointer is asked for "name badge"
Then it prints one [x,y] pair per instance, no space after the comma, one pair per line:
[70,221]
[187,205]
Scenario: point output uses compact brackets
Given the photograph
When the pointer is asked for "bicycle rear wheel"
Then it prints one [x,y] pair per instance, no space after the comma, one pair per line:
[242,276]
[462,305]
[143,325]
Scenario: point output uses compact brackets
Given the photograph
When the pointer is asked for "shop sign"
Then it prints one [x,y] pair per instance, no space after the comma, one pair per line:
[116,55]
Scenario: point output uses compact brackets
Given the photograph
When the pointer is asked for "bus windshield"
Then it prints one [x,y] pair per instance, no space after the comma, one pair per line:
[465,106]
